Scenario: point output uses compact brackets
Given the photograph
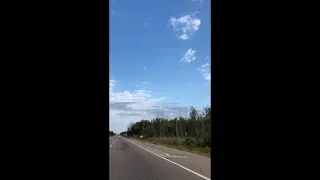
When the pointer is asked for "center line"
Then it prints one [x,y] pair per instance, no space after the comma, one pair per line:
[113,142]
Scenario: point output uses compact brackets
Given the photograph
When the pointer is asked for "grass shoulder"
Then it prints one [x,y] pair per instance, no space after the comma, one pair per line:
[178,143]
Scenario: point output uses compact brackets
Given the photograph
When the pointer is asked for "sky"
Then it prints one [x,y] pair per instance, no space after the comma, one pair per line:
[159,59]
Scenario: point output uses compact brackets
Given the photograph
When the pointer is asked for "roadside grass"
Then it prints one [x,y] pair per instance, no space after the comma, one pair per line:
[184,144]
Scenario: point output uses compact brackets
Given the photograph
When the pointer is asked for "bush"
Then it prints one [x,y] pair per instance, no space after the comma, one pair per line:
[189,142]
[207,141]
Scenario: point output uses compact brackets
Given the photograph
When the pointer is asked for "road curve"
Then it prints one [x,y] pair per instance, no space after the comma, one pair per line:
[130,162]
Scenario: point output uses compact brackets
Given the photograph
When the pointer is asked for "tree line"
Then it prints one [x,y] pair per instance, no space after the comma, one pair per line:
[111,133]
[196,126]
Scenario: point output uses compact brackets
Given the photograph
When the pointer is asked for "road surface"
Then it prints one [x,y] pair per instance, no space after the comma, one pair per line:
[135,160]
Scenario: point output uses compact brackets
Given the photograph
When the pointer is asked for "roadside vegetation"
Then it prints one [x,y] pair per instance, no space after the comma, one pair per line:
[191,133]
[111,133]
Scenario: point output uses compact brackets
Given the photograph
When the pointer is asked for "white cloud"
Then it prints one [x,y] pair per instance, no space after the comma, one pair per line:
[112,82]
[115,13]
[185,25]
[189,56]
[126,107]
[198,1]
[205,71]
[143,85]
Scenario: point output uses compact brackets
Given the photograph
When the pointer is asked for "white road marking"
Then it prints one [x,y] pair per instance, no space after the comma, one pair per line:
[113,142]
[173,156]
[170,161]
[163,154]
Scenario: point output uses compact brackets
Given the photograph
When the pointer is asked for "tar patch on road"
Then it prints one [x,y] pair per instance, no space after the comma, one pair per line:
[121,146]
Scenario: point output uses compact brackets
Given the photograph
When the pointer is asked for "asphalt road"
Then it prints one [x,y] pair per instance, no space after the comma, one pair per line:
[112,140]
[130,160]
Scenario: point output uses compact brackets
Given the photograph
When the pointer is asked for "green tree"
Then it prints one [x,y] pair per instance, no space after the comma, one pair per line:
[111,133]
[195,129]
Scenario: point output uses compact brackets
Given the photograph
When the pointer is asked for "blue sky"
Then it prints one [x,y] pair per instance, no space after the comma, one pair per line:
[159,59]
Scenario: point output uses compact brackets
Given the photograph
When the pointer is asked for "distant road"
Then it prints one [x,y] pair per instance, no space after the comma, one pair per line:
[135,160]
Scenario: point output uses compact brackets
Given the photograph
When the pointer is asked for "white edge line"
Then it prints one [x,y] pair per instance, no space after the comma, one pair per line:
[171,161]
